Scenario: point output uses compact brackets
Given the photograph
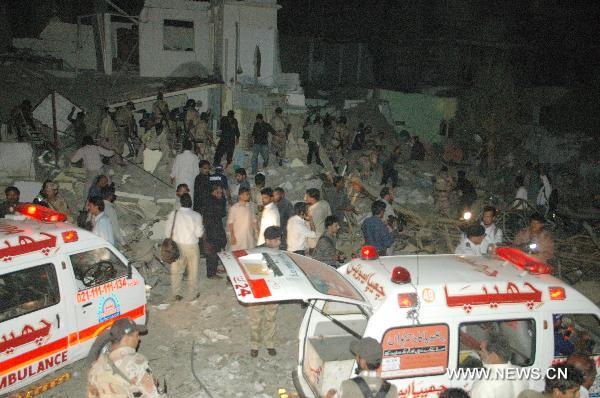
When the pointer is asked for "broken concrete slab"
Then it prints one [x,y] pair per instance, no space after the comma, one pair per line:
[122,194]
[43,112]
[297,163]
[151,159]
[16,160]
[149,208]
[158,230]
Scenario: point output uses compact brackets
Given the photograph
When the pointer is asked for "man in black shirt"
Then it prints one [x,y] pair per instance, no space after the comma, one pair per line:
[215,238]
[230,137]
[260,136]
[201,187]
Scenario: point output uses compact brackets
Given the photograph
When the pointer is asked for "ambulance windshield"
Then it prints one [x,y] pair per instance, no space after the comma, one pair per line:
[325,279]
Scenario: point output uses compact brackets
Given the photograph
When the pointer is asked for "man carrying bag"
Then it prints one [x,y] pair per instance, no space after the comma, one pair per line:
[185,228]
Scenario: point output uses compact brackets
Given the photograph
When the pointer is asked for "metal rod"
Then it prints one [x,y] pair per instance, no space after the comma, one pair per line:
[54,127]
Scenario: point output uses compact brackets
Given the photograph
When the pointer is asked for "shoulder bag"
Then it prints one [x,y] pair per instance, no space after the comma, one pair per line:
[169,252]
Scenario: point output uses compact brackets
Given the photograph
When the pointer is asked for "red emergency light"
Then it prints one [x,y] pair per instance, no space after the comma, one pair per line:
[70,236]
[400,275]
[368,253]
[407,300]
[557,293]
[40,213]
[523,261]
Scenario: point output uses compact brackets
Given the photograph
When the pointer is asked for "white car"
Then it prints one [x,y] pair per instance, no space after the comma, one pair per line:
[430,313]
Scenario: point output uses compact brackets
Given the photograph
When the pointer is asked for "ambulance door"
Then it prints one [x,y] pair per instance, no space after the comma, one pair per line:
[574,332]
[103,293]
[33,326]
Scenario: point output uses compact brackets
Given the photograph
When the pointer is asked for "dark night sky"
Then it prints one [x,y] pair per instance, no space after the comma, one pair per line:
[567,29]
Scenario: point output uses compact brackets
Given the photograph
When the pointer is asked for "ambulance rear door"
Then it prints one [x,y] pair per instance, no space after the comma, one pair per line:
[103,292]
[265,275]
[34,329]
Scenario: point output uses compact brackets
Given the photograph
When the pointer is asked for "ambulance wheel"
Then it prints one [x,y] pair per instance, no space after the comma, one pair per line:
[101,344]
[99,272]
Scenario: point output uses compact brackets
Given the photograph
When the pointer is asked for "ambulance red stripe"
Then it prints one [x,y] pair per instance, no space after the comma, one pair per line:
[63,343]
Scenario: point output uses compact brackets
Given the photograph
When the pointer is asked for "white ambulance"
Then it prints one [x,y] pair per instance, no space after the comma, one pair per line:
[60,287]
[429,312]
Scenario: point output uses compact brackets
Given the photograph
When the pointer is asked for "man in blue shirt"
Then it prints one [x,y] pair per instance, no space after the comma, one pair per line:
[375,231]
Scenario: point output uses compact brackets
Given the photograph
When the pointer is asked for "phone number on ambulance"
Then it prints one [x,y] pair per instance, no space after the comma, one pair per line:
[101,290]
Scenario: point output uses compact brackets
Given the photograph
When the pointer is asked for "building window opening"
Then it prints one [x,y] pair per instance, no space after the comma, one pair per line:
[178,35]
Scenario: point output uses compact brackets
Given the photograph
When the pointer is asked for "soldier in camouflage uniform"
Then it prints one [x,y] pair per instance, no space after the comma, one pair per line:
[442,186]
[162,114]
[279,140]
[127,127]
[122,372]
[109,136]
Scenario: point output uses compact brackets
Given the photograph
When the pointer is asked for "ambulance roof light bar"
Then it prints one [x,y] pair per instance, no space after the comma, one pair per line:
[523,261]
[40,213]
[368,253]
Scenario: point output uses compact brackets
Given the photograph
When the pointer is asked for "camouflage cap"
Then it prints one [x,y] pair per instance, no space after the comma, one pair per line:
[125,326]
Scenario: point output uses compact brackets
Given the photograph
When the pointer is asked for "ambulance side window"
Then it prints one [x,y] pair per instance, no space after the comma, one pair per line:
[28,290]
[576,333]
[95,267]
[519,332]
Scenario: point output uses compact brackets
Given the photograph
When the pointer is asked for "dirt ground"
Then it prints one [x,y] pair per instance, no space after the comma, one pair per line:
[215,327]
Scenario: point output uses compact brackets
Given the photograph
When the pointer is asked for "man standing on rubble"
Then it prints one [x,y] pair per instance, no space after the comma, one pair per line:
[127,127]
[279,141]
[230,137]
[91,155]
[315,134]
[442,185]
[187,229]
[109,136]
[241,222]
[375,231]
[286,211]
[339,200]
[318,210]
[185,168]
[202,187]
[389,167]
[262,316]
[260,142]
[215,238]
[160,110]
[270,214]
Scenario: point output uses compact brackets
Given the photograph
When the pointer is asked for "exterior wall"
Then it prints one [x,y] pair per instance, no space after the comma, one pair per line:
[421,113]
[59,40]
[155,61]
[257,27]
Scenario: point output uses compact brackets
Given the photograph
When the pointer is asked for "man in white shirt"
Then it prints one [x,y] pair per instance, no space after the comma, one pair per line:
[387,197]
[91,155]
[318,210]
[298,230]
[495,354]
[100,222]
[187,228]
[493,234]
[185,168]
[543,197]
[473,243]
[241,222]
[521,195]
[108,196]
[270,214]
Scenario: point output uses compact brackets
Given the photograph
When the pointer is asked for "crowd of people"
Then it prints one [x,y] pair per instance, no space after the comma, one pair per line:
[210,217]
